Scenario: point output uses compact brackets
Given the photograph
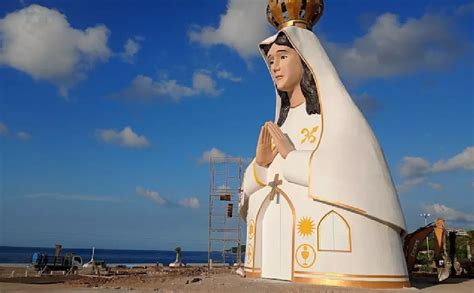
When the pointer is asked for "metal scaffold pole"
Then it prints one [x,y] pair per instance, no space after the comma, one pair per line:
[225,180]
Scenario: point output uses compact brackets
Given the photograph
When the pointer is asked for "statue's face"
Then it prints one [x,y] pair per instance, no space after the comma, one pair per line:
[285,66]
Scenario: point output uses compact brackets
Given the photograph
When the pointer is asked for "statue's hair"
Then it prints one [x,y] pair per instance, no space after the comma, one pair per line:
[308,85]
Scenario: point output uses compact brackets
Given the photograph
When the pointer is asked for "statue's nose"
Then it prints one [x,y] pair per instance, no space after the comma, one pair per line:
[276,67]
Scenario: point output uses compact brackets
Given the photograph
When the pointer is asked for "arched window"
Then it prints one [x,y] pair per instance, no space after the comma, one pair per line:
[334,233]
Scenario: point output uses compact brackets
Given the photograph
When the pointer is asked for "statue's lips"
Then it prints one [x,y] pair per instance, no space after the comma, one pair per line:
[278,77]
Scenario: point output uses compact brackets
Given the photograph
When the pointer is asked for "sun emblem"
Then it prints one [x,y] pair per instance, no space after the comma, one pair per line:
[305,226]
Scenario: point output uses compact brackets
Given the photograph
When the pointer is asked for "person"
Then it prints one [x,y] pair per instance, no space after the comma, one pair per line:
[318,198]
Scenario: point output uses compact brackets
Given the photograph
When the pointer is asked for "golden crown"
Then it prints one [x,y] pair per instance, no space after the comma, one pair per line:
[301,13]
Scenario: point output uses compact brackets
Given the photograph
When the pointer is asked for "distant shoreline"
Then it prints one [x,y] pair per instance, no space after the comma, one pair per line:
[23,255]
[128,265]
[99,248]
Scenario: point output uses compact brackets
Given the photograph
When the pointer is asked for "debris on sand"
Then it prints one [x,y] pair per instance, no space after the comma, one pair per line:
[194,280]
[240,272]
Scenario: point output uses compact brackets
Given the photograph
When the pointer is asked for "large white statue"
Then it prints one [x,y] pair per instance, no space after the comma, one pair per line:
[318,199]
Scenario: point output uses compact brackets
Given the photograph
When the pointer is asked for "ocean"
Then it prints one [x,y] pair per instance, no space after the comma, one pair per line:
[23,255]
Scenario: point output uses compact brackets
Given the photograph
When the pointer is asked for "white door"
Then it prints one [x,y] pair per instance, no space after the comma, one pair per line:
[276,240]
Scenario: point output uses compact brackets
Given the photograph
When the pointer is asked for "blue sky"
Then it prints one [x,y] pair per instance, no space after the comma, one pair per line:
[108,109]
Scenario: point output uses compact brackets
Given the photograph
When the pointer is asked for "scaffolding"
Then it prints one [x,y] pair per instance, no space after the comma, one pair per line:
[225,180]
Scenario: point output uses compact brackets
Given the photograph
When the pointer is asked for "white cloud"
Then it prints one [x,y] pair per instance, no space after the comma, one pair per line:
[465,9]
[144,88]
[212,153]
[449,214]
[205,84]
[126,137]
[223,188]
[416,169]
[3,129]
[410,183]
[191,202]
[217,155]
[392,47]
[40,42]
[23,135]
[241,28]
[464,160]
[417,166]
[130,49]
[224,74]
[367,103]
[435,186]
[151,194]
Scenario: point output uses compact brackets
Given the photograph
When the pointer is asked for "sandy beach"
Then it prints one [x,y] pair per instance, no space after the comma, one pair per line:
[196,278]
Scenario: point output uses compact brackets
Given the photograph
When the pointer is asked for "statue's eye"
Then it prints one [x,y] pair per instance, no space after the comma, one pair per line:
[271,62]
[283,57]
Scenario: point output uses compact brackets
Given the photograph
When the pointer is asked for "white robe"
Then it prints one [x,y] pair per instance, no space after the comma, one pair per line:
[336,218]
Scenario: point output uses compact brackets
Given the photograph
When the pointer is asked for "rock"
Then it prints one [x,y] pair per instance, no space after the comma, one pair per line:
[194,280]
[240,272]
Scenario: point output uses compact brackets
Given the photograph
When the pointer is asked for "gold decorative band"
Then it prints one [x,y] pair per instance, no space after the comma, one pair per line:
[259,182]
[252,274]
[355,210]
[354,284]
[352,275]
[339,204]
[295,22]
[252,269]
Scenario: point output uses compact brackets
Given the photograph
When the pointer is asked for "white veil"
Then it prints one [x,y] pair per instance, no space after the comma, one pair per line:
[347,168]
